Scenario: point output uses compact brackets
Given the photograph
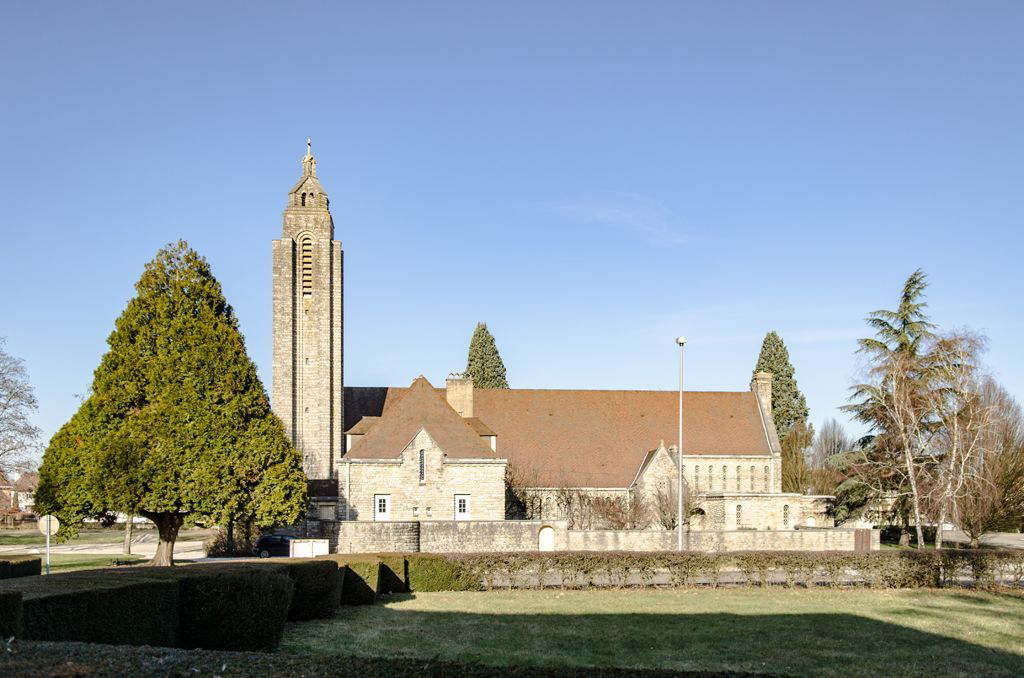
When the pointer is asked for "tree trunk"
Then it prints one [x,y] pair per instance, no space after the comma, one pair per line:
[938,529]
[167,525]
[905,532]
[128,525]
[975,542]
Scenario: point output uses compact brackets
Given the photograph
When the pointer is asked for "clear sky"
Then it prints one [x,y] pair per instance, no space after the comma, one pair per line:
[589,178]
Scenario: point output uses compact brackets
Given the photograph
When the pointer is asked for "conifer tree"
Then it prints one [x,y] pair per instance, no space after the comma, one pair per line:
[484,365]
[177,425]
[788,404]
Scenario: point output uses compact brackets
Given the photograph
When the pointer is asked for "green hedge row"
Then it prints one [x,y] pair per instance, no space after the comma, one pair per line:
[223,607]
[20,567]
[10,614]
[878,569]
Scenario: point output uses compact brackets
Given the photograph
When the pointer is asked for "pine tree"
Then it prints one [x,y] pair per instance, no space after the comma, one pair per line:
[788,404]
[177,424]
[484,365]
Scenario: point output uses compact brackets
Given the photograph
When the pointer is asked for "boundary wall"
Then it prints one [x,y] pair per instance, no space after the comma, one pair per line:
[480,536]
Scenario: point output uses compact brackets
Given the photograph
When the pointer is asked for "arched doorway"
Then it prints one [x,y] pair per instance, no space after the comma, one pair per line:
[546,539]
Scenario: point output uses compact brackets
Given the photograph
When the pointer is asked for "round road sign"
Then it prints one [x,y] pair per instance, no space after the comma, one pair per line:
[49,525]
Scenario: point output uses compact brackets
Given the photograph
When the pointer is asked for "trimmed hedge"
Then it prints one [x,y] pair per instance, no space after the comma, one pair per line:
[20,567]
[318,586]
[219,607]
[10,614]
[394,574]
[101,608]
[430,572]
[360,577]
[878,569]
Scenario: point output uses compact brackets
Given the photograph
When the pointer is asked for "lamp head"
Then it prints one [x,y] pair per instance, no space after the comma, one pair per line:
[680,340]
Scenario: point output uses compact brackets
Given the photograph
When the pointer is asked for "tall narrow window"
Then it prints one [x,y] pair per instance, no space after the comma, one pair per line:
[423,466]
[767,478]
[711,479]
[696,476]
[739,472]
[739,516]
[307,265]
[785,515]
[724,473]
[303,199]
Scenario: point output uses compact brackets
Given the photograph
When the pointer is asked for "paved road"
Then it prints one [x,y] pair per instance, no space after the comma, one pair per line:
[142,545]
[1006,540]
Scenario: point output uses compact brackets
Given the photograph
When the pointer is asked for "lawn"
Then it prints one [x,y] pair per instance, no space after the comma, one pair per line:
[93,536]
[794,632]
[68,562]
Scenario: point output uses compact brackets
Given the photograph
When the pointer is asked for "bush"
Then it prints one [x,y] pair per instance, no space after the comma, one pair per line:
[20,567]
[394,573]
[10,614]
[360,577]
[317,588]
[98,607]
[229,606]
[429,572]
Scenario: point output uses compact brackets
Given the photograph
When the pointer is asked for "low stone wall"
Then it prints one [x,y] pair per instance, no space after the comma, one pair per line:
[479,536]
[370,537]
[498,535]
[718,540]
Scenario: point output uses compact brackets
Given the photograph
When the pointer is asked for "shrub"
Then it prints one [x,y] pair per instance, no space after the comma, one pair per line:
[394,574]
[361,578]
[317,589]
[20,567]
[10,614]
[429,572]
[98,607]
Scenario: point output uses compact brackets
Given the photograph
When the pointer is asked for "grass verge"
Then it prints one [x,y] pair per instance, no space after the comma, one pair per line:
[793,632]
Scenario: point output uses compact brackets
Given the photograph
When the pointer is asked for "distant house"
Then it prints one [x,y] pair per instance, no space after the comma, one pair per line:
[17,496]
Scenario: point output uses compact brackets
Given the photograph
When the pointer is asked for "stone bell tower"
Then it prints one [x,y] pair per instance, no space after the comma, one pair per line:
[307,391]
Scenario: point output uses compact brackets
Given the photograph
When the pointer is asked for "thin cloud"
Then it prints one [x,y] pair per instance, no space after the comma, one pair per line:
[645,216]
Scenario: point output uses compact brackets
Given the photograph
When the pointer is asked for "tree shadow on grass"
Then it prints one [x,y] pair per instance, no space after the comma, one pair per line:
[788,644]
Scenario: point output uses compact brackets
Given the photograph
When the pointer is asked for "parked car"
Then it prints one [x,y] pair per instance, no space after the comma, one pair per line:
[272,545]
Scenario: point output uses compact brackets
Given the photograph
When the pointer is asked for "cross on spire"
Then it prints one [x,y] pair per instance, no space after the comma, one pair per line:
[309,162]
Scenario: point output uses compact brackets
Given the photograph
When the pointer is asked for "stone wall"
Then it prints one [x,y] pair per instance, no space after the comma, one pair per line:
[715,541]
[432,498]
[499,535]
[525,535]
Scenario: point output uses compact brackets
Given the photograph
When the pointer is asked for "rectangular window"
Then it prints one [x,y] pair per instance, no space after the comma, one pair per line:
[462,507]
[423,467]
[382,507]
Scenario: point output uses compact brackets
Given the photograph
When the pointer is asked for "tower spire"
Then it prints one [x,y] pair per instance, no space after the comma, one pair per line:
[308,161]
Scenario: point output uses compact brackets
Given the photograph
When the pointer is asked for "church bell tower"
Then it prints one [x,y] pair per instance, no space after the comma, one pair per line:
[307,392]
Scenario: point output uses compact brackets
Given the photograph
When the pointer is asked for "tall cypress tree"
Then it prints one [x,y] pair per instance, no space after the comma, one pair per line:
[788,404]
[484,365]
[177,424]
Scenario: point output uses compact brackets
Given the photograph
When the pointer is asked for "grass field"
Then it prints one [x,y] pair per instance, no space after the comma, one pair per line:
[33,537]
[69,562]
[793,632]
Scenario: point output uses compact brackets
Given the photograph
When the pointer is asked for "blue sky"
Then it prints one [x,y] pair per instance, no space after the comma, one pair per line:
[589,178]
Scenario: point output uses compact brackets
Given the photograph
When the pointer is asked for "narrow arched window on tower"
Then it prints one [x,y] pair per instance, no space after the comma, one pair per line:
[785,515]
[307,265]
[303,199]
[739,516]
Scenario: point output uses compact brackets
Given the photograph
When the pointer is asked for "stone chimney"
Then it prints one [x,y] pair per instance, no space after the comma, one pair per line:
[761,385]
[459,393]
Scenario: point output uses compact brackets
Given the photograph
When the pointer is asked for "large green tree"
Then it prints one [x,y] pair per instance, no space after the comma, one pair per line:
[484,365]
[893,402]
[789,406]
[177,425]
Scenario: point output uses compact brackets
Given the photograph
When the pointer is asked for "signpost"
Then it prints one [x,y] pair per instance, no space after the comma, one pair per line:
[48,525]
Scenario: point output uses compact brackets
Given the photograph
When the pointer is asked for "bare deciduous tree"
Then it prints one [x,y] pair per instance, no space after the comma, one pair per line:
[18,437]
[621,513]
[522,500]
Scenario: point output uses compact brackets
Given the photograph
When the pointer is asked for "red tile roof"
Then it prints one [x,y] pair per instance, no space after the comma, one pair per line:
[421,407]
[593,438]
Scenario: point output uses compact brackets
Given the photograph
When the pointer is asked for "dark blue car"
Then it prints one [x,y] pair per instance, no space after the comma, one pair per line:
[272,545]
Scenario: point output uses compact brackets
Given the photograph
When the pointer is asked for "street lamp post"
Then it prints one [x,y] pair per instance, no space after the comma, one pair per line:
[679,451]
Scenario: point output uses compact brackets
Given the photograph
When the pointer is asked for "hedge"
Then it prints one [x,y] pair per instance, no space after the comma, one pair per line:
[222,607]
[394,573]
[430,572]
[10,614]
[318,585]
[98,607]
[878,569]
[20,567]
[360,577]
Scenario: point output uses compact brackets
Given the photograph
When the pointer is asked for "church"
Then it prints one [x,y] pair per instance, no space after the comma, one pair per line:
[420,453]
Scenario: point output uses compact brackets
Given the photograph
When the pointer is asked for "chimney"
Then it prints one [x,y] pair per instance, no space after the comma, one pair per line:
[459,393]
[761,385]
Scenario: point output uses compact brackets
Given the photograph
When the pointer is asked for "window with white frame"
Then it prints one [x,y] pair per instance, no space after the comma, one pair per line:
[462,507]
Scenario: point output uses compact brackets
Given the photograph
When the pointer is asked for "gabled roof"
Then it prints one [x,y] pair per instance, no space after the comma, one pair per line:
[420,408]
[581,438]
[27,482]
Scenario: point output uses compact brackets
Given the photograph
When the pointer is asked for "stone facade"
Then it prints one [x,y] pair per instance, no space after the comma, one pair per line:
[307,387]
[433,497]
